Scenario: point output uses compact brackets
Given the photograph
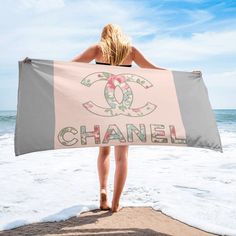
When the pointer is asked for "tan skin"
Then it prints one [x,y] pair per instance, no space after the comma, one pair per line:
[121,151]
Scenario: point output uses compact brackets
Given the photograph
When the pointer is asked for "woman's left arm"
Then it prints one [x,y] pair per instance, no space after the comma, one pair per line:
[88,55]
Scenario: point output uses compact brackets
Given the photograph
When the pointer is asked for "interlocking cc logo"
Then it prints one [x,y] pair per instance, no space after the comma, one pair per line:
[118,108]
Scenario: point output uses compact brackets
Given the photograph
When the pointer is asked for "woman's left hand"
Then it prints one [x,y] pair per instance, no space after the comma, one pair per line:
[197,72]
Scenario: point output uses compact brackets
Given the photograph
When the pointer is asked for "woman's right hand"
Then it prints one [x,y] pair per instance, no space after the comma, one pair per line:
[197,72]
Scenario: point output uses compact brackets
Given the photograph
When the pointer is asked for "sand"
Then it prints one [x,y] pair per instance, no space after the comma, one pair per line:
[128,221]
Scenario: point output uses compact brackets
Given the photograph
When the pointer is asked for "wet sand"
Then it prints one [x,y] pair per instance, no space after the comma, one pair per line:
[128,221]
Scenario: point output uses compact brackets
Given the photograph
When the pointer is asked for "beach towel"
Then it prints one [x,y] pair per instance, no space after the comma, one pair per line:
[64,104]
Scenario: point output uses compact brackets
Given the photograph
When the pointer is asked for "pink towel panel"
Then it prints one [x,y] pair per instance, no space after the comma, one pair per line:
[101,105]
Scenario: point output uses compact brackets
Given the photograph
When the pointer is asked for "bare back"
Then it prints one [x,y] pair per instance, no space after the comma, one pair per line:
[94,53]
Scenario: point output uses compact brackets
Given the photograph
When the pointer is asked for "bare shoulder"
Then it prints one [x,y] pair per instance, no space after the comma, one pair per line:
[134,48]
[94,47]
[135,51]
[141,60]
[88,54]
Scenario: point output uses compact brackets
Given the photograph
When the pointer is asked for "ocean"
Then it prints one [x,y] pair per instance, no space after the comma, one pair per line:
[194,185]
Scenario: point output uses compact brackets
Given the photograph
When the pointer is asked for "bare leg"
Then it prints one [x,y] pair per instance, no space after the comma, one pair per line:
[121,157]
[103,164]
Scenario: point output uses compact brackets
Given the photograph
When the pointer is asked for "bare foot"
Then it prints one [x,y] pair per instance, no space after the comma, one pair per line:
[116,208]
[103,201]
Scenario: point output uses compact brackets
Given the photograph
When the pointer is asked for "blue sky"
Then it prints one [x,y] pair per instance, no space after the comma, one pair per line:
[178,35]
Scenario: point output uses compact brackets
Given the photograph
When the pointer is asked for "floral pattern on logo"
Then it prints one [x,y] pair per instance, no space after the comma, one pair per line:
[118,108]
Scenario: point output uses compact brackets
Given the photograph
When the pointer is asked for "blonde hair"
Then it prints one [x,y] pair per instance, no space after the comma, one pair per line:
[114,44]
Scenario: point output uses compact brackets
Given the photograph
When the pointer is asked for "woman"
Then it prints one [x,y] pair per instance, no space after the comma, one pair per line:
[114,48]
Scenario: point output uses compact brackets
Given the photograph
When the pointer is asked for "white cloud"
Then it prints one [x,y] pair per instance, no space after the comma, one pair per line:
[40,5]
[223,80]
[31,30]
[200,46]
[57,29]
[61,34]
[195,17]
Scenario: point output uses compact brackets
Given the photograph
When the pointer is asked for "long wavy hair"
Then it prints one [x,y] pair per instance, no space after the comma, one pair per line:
[114,44]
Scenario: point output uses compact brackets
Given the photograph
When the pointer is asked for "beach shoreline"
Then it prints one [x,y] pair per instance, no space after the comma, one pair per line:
[130,220]
[195,186]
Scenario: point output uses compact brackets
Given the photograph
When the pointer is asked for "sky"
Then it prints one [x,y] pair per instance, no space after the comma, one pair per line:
[177,35]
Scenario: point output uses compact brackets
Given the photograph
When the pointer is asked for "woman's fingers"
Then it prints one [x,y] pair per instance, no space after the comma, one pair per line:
[197,72]
[27,60]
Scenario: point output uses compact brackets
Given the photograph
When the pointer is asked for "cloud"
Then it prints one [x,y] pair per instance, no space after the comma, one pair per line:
[194,18]
[224,79]
[40,5]
[58,30]
[192,34]
[200,46]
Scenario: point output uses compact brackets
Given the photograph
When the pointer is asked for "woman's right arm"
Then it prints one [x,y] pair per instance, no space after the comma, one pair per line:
[141,61]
